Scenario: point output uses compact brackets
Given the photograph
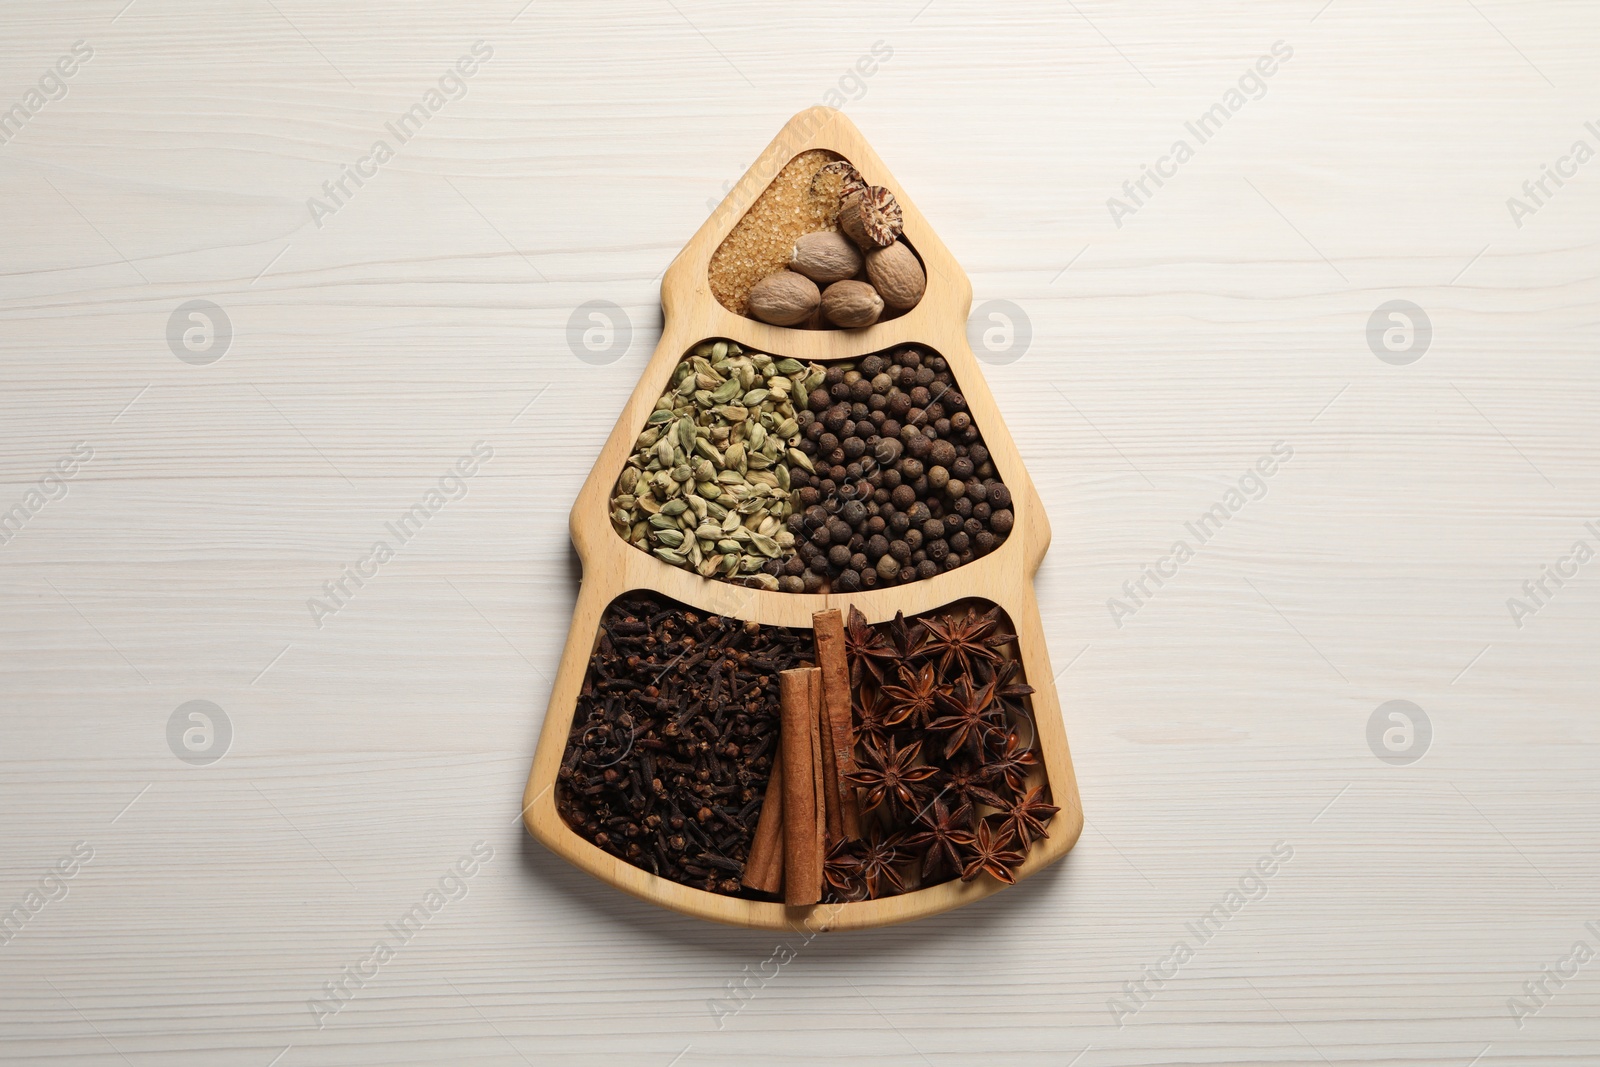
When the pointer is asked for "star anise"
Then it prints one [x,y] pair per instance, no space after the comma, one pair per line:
[842,871]
[891,775]
[1010,760]
[1009,689]
[880,862]
[867,648]
[970,716]
[875,713]
[1026,817]
[959,642]
[908,638]
[968,784]
[913,697]
[993,852]
[944,834]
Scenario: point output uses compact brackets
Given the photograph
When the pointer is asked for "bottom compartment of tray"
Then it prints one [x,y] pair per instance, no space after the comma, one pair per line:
[671,733]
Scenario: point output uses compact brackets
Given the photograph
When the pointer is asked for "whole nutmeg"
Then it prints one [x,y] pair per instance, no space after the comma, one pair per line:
[851,305]
[897,275]
[826,257]
[784,298]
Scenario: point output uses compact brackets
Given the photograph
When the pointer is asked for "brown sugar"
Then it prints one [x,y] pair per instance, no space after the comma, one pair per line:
[799,201]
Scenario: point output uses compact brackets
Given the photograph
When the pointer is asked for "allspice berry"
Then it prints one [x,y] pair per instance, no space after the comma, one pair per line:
[900,487]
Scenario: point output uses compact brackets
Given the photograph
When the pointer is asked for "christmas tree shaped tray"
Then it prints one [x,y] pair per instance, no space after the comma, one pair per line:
[705,563]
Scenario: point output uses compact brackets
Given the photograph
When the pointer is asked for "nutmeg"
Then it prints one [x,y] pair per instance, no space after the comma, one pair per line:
[851,304]
[784,298]
[825,257]
[897,275]
[871,218]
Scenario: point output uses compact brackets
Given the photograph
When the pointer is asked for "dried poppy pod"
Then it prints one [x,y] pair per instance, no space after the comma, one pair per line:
[871,218]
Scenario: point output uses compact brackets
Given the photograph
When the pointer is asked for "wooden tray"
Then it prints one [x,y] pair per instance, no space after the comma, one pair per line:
[611,566]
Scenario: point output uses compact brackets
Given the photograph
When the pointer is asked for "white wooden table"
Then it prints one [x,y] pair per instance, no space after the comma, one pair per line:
[1430,909]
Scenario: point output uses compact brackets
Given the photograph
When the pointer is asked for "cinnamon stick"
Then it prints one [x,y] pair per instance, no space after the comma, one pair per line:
[804,819]
[839,745]
[834,819]
[763,871]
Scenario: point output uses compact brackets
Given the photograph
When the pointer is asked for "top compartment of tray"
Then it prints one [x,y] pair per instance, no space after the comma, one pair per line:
[821,248]
[791,191]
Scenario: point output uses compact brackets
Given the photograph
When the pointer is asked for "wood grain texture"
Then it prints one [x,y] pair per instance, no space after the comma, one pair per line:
[1166,356]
